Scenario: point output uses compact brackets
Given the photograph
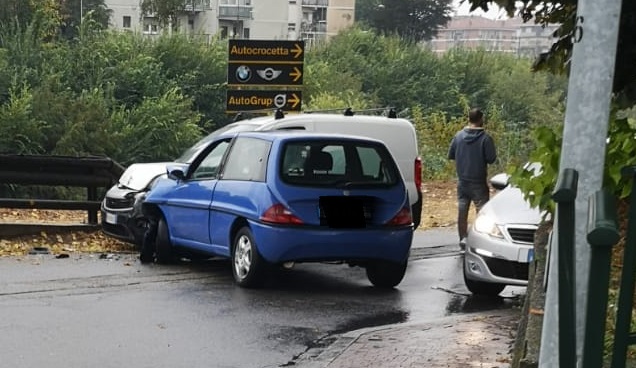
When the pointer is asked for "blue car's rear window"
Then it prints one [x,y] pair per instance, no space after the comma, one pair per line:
[337,163]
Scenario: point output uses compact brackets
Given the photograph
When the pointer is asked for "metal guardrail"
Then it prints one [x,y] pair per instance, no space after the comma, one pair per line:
[89,172]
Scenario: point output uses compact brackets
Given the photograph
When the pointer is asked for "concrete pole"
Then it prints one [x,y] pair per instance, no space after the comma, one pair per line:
[583,149]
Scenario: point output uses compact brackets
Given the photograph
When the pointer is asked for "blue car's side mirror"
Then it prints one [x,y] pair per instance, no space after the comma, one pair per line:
[176,174]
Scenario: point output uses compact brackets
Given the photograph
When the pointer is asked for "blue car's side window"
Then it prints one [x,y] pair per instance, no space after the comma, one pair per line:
[209,166]
[247,160]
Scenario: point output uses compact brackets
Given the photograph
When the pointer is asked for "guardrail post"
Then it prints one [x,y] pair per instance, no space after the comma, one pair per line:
[91,194]
[602,234]
[622,335]
[565,195]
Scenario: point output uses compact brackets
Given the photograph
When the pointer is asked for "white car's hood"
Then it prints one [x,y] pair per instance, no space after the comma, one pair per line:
[139,176]
[508,206]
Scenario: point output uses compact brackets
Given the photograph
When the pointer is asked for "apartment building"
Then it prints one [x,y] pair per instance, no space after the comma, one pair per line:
[535,39]
[502,35]
[309,20]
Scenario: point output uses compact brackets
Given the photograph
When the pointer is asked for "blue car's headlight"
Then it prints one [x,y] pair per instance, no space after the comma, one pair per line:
[486,224]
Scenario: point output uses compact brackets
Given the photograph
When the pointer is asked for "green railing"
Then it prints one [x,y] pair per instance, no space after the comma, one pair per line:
[565,195]
[623,336]
[602,234]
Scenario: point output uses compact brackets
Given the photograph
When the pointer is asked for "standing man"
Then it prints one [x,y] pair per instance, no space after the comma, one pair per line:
[473,150]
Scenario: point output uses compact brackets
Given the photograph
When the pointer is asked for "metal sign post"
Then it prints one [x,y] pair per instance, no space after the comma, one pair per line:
[583,149]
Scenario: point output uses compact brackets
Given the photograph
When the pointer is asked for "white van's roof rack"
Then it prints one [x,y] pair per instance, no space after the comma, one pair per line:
[387,111]
[280,114]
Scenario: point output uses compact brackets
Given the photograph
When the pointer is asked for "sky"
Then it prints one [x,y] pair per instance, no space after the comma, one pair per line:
[494,11]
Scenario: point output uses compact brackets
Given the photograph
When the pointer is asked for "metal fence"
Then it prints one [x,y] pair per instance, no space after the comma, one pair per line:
[602,234]
[88,172]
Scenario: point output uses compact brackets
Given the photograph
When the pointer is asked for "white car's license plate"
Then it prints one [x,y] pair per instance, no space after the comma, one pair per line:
[530,255]
[111,218]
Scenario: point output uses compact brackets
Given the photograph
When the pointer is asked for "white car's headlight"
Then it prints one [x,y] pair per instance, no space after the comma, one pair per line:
[486,224]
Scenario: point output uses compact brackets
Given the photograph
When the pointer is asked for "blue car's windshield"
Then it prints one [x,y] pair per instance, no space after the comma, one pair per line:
[192,152]
[338,163]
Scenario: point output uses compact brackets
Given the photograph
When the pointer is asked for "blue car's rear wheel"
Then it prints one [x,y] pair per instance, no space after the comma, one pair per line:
[385,274]
[248,267]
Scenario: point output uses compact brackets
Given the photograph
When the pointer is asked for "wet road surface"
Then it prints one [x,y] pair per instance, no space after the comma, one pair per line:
[113,312]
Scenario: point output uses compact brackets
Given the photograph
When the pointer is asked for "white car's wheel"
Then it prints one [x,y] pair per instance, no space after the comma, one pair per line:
[482,288]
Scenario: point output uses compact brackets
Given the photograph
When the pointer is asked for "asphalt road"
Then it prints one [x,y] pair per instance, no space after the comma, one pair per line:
[111,311]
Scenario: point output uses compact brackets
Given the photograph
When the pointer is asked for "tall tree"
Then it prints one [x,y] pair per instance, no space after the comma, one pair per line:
[413,20]
[166,11]
[16,10]
[564,12]
[73,11]
[54,17]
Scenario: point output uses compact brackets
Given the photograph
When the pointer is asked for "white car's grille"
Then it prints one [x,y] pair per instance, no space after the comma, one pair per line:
[118,203]
[521,235]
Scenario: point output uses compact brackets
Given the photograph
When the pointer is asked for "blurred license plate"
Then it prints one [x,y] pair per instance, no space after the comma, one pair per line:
[530,255]
[111,218]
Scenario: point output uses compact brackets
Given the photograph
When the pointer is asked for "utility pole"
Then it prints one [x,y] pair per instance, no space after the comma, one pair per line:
[81,11]
[236,30]
[583,149]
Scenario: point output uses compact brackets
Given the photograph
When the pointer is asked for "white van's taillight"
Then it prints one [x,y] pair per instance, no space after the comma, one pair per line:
[278,214]
[418,173]
[401,218]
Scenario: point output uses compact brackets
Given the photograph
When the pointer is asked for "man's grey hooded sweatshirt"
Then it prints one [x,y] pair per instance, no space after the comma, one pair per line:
[472,149]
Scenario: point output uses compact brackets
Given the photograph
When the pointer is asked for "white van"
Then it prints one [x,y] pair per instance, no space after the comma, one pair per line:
[121,210]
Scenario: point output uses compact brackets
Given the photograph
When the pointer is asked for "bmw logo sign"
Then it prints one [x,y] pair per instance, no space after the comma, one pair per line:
[243,73]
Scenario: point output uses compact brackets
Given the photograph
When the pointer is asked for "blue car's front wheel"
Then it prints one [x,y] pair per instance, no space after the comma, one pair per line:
[248,267]
[163,250]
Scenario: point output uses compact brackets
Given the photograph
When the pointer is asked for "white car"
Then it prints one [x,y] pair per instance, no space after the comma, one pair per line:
[500,242]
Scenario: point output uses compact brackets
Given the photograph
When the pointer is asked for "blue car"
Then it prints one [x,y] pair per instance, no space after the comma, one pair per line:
[265,199]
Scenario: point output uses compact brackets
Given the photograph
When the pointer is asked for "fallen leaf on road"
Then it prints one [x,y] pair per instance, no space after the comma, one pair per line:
[536,311]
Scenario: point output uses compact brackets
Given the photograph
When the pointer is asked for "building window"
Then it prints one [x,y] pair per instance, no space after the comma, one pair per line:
[291,26]
[126,21]
[224,32]
[150,28]
[246,33]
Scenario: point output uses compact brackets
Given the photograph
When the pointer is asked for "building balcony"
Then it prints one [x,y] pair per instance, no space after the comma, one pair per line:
[196,5]
[234,12]
[316,27]
[316,3]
